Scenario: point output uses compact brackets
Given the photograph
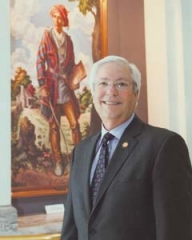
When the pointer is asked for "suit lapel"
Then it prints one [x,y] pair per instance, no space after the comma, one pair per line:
[126,145]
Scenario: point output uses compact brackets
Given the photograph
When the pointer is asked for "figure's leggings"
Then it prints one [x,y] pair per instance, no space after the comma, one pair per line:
[72,118]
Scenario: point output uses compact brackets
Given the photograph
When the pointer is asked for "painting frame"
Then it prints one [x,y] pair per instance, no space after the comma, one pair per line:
[23,192]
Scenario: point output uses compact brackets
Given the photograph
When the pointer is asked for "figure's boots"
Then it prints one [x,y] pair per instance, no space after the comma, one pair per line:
[56,149]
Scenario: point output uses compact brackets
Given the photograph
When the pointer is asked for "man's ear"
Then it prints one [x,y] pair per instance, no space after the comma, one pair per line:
[137,94]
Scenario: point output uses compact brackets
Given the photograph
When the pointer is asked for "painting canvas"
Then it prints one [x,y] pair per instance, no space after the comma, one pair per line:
[32,144]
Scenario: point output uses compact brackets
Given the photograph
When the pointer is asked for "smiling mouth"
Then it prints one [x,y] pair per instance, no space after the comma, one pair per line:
[111,103]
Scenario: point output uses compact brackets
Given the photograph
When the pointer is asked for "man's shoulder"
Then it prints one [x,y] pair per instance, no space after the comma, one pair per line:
[155,131]
[159,134]
[68,37]
[159,130]
[47,33]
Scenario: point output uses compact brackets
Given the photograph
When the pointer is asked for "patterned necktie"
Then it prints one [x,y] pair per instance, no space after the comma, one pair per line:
[101,166]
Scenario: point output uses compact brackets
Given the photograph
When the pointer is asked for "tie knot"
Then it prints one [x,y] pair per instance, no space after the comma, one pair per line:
[107,137]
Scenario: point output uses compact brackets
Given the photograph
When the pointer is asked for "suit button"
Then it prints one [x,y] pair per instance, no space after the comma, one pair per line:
[92,232]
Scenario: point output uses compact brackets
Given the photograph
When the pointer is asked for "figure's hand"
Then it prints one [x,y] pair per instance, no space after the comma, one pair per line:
[44,92]
[74,86]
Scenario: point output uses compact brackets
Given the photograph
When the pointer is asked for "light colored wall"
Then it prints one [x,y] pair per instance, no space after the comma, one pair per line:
[168,31]
[5,156]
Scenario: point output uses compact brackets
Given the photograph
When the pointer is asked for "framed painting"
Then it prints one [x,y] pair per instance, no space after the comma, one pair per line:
[53,46]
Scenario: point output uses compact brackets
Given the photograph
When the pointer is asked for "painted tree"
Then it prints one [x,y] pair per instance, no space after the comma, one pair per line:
[21,78]
[93,7]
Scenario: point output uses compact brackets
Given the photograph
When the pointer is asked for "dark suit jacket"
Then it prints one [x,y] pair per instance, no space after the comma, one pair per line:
[146,193]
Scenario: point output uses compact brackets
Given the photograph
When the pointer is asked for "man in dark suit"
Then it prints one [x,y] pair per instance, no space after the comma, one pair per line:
[144,191]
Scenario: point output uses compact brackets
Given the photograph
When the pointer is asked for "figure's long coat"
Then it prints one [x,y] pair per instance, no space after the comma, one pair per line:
[48,68]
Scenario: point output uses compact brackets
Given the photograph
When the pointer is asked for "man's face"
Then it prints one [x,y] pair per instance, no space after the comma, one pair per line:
[57,21]
[114,103]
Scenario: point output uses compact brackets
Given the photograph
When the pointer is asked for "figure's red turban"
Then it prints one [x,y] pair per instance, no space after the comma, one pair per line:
[63,12]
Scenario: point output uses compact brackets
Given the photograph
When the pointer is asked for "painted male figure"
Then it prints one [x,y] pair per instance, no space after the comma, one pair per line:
[55,61]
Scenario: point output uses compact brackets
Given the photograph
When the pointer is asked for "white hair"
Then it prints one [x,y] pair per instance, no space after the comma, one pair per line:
[135,73]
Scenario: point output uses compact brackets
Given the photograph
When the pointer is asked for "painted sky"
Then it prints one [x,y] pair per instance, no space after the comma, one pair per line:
[28,21]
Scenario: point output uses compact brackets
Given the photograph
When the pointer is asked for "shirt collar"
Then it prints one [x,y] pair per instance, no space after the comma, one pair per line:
[59,36]
[118,131]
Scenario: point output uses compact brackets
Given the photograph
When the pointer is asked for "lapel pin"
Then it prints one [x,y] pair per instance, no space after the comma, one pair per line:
[125,144]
